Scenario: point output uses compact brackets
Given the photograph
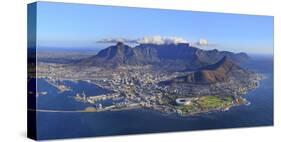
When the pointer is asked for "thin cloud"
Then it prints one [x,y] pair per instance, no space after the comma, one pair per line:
[114,40]
[159,40]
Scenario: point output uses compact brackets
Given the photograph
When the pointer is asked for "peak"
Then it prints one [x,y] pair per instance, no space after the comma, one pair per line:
[213,73]
[119,44]
[215,50]
[225,61]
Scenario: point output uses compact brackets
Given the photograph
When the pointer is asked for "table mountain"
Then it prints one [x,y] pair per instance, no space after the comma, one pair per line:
[176,56]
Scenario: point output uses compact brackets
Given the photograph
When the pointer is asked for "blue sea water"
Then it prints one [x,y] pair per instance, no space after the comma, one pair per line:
[55,100]
[53,125]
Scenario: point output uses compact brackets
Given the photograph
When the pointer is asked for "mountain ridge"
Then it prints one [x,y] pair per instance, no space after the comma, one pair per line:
[181,56]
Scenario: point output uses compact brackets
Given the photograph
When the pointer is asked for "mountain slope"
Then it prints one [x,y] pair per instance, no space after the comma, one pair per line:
[214,73]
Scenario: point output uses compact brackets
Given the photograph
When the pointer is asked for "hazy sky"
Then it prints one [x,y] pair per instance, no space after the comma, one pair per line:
[80,25]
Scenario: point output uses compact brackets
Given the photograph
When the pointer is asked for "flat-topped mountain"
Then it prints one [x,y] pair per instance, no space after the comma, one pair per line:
[117,55]
[176,56]
[214,73]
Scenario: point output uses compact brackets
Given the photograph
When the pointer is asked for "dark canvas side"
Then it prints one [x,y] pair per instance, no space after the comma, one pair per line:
[31,70]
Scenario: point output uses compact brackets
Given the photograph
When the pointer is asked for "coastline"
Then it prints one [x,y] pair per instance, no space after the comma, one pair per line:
[245,102]
[134,108]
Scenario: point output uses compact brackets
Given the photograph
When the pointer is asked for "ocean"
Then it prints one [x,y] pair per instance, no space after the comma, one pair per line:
[56,125]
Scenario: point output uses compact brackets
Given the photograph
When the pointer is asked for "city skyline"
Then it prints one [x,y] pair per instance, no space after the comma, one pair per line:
[83,26]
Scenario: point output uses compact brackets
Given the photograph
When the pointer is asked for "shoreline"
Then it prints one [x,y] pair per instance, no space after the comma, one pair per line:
[135,108]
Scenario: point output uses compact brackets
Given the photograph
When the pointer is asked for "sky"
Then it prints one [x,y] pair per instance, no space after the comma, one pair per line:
[62,25]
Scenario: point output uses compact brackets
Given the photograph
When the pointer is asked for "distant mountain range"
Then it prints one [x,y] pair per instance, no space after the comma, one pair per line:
[218,72]
[172,56]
